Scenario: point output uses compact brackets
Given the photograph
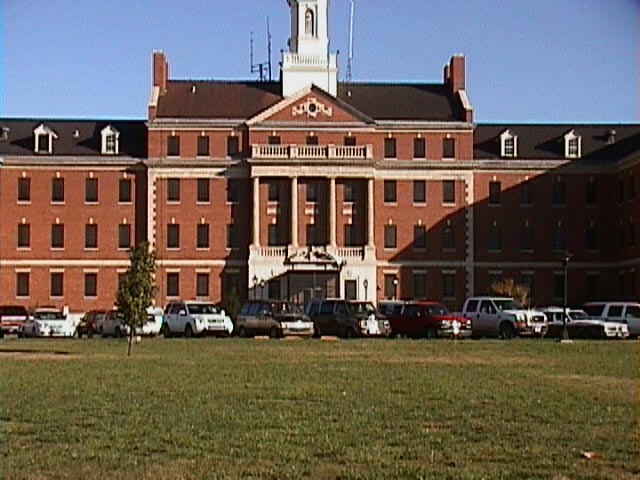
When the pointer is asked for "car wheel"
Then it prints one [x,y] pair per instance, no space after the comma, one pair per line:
[350,333]
[431,333]
[242,332]
[316,331]
[166,331]
[78,333]
[188,331]
[273,333]
[506,331]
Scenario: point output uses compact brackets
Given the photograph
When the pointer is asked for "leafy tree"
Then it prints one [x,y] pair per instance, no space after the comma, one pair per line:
[508,287]
[137,288]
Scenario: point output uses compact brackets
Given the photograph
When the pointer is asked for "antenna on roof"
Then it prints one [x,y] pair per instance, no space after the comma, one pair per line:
[263,69]
[350,56]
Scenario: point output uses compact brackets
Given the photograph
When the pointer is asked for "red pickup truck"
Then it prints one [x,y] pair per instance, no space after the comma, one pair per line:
[418,319]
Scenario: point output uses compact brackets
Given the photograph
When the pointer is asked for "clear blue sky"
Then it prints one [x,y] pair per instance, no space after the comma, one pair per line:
[527,60]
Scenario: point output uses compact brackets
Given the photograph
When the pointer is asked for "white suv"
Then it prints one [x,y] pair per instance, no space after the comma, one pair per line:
[191,318]
[625,312]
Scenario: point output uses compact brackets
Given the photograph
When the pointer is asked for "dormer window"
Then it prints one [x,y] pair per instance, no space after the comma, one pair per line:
[309,23]
[508,144]
[110,141]
[43,139]
[572,145]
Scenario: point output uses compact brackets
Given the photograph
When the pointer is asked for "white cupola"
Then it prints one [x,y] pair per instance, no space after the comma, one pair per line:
[308,60]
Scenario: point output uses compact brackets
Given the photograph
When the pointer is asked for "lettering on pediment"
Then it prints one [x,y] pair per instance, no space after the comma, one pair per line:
[312,108]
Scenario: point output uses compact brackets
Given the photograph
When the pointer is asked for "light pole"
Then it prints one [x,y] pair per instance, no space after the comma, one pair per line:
[395,288]
[255,285]
[365,284]
[565,263]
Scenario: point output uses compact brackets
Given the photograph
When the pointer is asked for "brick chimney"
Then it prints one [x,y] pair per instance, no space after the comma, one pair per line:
[454,73]
[160,71]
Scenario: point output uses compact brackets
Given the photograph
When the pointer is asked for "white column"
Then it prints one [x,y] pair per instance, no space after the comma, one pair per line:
[294,211]
[332,212]
[256,211]
[370,213]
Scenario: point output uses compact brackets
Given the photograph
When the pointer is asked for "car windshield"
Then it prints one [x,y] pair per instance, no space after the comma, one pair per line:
[361,307]
[507,305]
[202,308]
[437,310]
[285,307]
[49,315]
[577,315]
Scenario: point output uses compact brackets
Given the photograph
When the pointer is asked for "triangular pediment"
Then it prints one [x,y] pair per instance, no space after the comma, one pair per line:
[311,105]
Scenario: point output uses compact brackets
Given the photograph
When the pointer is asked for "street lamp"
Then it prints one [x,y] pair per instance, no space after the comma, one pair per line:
[255,285]
[565,263]
[395,288]
[365,284]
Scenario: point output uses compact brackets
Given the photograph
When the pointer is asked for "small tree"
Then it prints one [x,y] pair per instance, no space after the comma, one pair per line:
[511,289]
[232,304]
[137,289]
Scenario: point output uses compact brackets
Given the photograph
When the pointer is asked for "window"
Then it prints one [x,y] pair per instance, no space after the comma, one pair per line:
[124,190]
[558,286]
[526,239]
[173,190]
[110,141]
[57,236]
[419,237]
[419,148]
[526,280]
[419,191]
[389,148]
[173,146]
[24,189]
[272,235]
[559,244]
[390,236]
[348,193]
[632,187]
[202,284]
[91,190]
[312,234]
[390,191]
[448,148]
[349,235]
[526,194]
[24,235]
[349,141]
[22,284]
[233,148]
[202,235]
[232,236]
[43,137]
[448,192]
[311,140]
[57,190]
[274,192]
[494,193]
[632,235]
[448,238]
[173,284]
[124,236]
[592,286]
[572,145]
[231,283]
[419,285]
[350,290]
[559,193]
[273,289]
[90,284]
[390,286]
[56,284]
[203,190]
[591,198]
[202,146]
[508,145]
[274,140]
[312,194]
[448,285]
[91,236]
[495,238]
[173,235]
[233,189]
[591,239]
[621,237]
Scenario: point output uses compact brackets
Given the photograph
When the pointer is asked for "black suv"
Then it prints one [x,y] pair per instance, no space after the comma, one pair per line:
[347,318]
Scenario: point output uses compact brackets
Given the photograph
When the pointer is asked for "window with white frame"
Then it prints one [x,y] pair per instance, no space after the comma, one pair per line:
[572,145]
[43,139]
[508,144]
[110,144]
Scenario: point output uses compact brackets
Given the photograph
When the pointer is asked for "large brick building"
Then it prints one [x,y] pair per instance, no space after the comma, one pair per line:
[308,186]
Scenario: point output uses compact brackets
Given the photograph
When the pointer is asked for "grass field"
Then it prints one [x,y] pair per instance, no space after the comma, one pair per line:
[211,408]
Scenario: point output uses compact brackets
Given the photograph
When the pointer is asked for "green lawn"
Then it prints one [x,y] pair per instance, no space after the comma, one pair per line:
[231,408]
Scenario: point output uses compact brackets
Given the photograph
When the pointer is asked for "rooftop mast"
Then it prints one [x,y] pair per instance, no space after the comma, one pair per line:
[350,57]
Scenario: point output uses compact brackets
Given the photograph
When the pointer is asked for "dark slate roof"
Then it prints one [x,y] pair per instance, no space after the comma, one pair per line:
[244,99]
[546,141]
[20,139]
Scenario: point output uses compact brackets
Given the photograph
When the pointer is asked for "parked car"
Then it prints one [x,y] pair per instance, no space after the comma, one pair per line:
[191,318]
[580,325]
[153,325]
[275,318]
[347,319]
[113,325]
[625,312]
[422,319]
[11,318]
[503,317]
[89,323]
[48,322]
